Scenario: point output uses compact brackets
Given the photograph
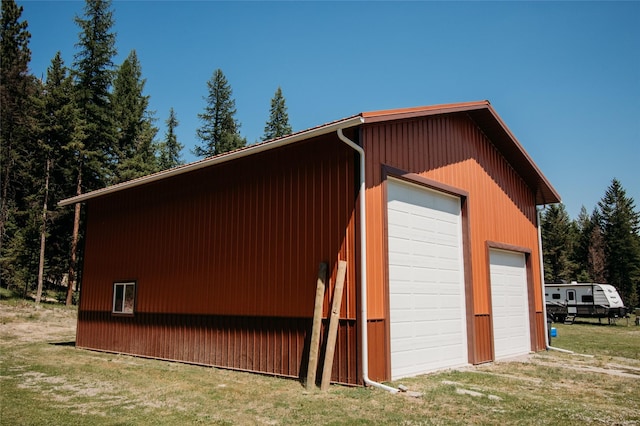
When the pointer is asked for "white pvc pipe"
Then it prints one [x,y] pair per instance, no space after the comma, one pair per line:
[541,260]
[363,270]
[566,351]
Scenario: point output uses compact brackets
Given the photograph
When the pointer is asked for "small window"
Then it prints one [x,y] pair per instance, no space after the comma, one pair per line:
[555,296]
[587,298]
[124,295]
[570,295]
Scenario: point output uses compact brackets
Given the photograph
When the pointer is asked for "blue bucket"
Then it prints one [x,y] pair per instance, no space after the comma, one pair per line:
[554,332]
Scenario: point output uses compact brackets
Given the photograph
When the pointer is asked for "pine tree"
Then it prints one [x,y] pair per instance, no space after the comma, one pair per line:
[557,244]
[278,123]
[60,128]
[14,94]
[170,148]
[135,151]
[583,228]
[17,144]
[596,261]
[621,228]
[220,130]
[94,72]
[93,69]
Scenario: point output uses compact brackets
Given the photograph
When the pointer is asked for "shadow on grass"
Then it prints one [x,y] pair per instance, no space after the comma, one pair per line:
[72,344]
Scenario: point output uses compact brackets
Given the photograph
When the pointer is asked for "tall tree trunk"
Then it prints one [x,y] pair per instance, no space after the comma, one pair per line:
[7,164]
[74,242]
[43,232]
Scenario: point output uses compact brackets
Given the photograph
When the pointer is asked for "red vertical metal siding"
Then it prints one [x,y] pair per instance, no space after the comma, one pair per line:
[450,149]
[379,362]
[225,259]
[484,333]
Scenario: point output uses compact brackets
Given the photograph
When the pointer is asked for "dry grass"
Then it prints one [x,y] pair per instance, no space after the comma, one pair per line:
[45,380]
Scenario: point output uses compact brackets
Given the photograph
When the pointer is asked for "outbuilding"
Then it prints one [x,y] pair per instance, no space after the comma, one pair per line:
[215,262]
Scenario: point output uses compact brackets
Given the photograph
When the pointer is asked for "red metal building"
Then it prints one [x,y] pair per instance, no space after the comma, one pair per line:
[215,262]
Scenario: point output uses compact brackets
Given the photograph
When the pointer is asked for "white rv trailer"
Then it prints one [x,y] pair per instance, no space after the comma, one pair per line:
[592,300]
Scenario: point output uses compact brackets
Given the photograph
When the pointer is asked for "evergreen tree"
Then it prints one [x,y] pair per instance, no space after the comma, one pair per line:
[60,127]
[94,72]
[93,69]
[17,128]
[589,251]
[621,226]
[170,148]
[596,262]
[220,130]
[557,244]
[135,151]
[14,91]
[583,228]
[278,123]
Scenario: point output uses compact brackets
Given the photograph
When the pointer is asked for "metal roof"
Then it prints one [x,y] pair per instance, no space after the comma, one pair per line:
[481,112]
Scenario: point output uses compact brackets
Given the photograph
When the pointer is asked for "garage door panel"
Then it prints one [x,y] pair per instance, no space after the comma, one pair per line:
[401,233]
[426,282]
[448,304]
[401,330]
[448,279]
[510,303]
[403,273]
[423,302]
[401,300]
[399,213]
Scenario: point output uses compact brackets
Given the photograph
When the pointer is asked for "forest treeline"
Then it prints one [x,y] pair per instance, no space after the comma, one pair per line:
[601,247]
[85,126]
[88,125]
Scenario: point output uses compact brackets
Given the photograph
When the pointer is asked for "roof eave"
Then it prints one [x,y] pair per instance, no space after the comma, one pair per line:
[545,193]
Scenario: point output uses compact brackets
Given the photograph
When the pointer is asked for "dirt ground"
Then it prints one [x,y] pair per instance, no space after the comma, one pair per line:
[27,322]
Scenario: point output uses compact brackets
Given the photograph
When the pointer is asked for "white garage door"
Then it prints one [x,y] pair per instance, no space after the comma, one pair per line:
[510,303]
[426,280]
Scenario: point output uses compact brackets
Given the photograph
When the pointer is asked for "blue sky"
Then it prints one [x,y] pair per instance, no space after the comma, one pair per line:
[564,76]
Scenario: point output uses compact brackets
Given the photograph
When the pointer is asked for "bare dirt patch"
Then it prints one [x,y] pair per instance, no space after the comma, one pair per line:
[28,322]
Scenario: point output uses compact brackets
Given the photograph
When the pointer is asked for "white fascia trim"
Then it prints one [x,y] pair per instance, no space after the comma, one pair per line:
[233,155]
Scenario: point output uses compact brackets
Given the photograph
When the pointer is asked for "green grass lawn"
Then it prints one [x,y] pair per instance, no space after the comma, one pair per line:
[588,336]
[44,379]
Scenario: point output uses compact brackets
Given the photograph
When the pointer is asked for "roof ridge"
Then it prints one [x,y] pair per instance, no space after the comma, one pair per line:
[426,108]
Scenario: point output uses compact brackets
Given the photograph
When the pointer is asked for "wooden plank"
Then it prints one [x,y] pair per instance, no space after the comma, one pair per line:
[333,325]
[317,325]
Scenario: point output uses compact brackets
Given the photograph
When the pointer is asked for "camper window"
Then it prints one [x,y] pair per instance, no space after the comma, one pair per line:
[555,296]
[587,298]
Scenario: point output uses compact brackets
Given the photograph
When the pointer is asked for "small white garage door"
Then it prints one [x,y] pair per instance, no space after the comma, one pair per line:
[426,280]
[510,302]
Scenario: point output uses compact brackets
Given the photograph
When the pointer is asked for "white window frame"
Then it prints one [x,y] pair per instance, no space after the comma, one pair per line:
[121,306]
